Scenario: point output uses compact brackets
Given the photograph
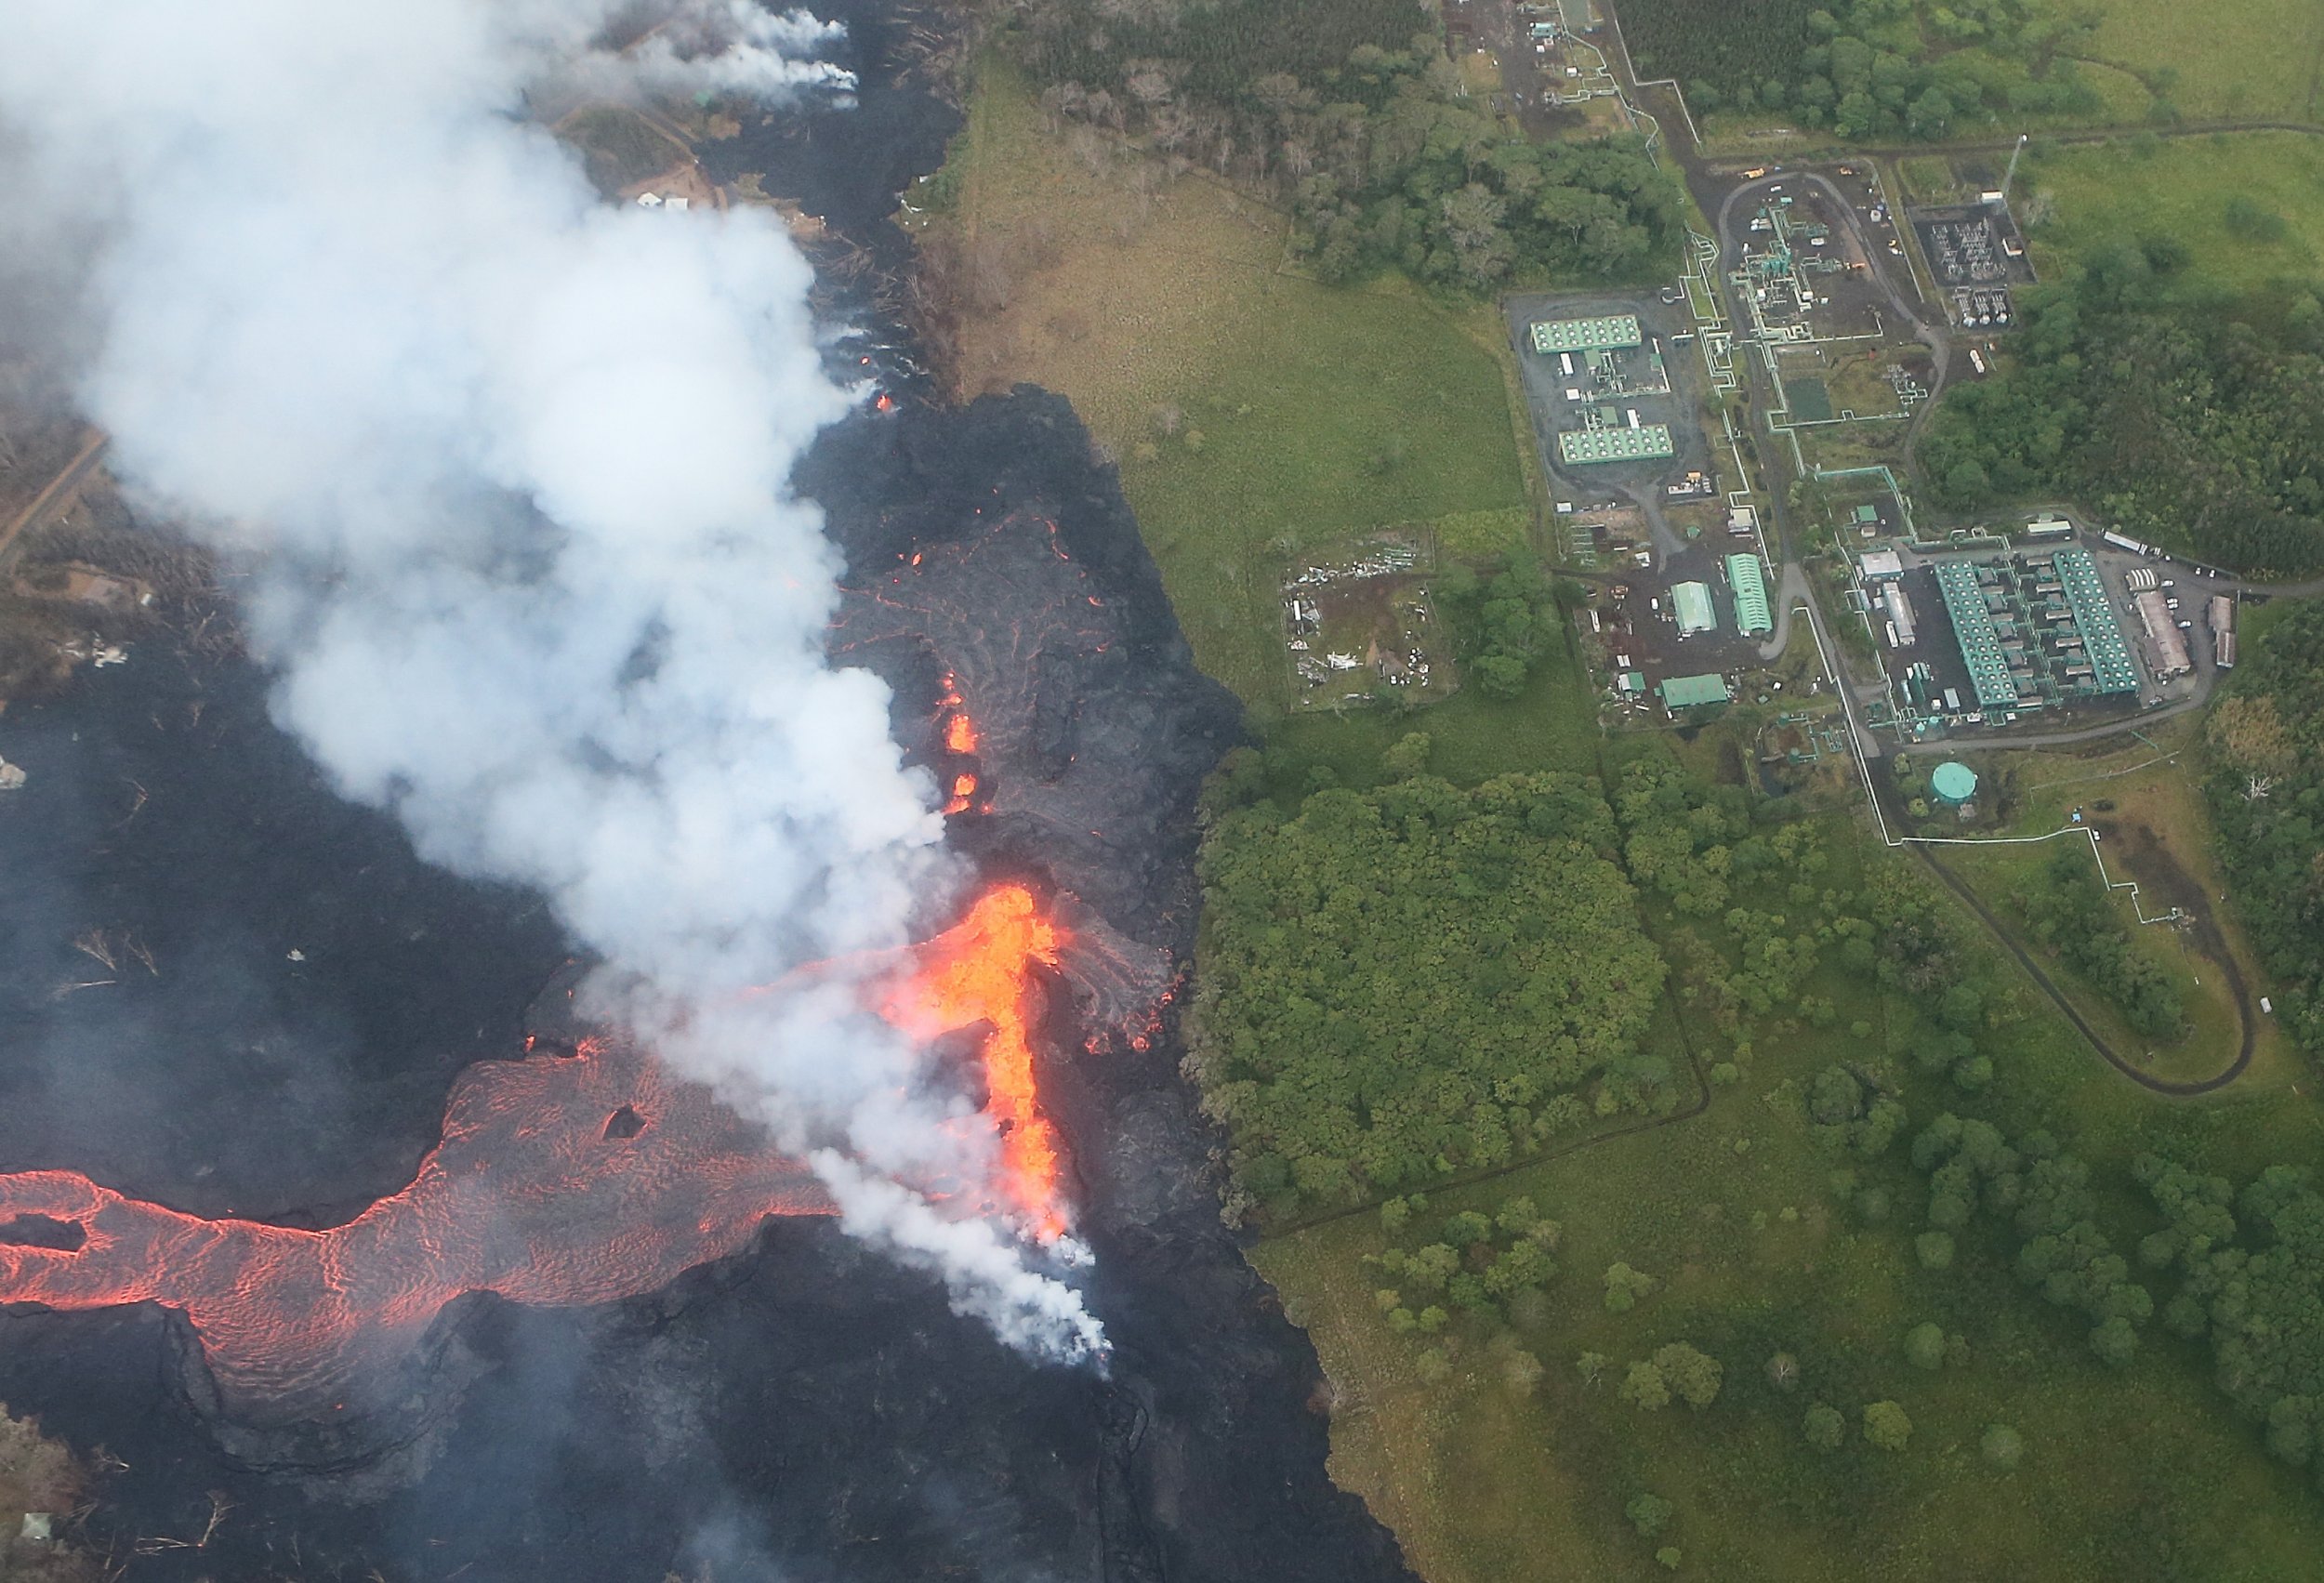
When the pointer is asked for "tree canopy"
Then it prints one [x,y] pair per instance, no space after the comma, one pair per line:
[1407,982]
[2178,418]
[1366,128]
[1879,69]
[2264,743]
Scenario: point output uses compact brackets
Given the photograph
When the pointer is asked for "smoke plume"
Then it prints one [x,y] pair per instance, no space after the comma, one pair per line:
[509,466]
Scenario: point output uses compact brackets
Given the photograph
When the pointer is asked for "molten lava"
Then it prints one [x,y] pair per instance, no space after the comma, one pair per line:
[960,738]
[978,971]
[561,1180]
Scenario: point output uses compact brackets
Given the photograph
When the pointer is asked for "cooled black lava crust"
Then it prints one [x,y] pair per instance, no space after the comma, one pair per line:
[806,1410]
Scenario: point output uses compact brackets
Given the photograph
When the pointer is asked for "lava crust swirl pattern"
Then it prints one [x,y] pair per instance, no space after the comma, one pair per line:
[561,1180]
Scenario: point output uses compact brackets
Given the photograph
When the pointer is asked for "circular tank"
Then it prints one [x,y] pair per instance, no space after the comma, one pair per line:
[1954,782]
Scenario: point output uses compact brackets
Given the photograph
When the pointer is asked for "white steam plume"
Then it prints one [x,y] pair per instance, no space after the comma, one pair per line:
[512,466]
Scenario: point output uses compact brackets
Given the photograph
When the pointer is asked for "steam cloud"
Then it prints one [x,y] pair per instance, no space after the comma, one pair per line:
[510,465]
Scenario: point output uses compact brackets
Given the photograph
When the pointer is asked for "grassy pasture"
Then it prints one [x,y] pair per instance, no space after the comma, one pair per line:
[1256,414]
[2235,60]
[2136,1474]
[2130,187]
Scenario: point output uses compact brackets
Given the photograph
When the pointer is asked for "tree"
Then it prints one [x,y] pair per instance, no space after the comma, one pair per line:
[1886,1426]
[2115,1342]
[1925,1347]
[1934,1249]
[1467,1229]
[2002,1445]
[1433,1366]
[1783,1372]
[1430,1267]
[1824,1427]
[1646,1386]
[1592,1366]
[1693,1374]
[1648,1514]
[1669,1557]
[1521,1371]
[1624,1286]
[1408,757]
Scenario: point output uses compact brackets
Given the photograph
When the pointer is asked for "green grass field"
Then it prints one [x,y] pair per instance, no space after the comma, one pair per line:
[2235,60]
[2129,188]
[2135,1475]
[1327,411]
[1256,412]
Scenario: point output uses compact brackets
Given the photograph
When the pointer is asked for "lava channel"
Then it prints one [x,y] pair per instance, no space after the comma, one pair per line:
[561,1180]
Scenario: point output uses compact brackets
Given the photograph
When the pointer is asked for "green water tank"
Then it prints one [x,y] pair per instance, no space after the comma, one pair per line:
[1954,782]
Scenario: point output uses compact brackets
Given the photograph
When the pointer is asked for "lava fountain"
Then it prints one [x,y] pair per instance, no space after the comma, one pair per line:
[565,1178]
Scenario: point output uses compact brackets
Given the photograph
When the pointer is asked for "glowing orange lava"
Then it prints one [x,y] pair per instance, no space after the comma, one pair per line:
[567,1179]
[978,971]
[959,737]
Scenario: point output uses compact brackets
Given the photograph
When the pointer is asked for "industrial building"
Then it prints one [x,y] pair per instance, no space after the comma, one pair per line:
[1898,609]
[1686,691]
[1691,602]
[2111,669]
[2162,633]
[1975,630]
[1612,332]
[1643,443]
[1751,616]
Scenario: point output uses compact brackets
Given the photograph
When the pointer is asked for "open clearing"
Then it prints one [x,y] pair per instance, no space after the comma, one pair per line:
[2131,187]
[2235,59]
[1256,414]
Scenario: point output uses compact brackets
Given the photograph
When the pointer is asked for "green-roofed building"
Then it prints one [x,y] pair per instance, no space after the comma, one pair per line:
[2111,668]
[1687,692]
[1974,631]
[1608,331]
[1691,601]
[1751,615]
[1612,443]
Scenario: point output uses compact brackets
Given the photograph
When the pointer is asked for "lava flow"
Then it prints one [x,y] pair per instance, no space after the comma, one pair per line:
[561,1180]
[977,972]
[960,739]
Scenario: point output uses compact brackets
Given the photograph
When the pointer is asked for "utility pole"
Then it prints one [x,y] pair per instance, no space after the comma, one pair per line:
[2010,175]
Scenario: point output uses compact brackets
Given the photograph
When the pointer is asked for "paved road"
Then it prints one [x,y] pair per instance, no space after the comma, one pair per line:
[2114,1057]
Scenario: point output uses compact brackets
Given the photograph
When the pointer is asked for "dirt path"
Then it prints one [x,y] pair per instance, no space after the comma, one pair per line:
[60,489]
[2114,1057]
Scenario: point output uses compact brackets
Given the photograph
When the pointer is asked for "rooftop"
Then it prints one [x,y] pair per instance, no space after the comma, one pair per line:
[1686,692]
[1751,593]
[1692,602]
[1552,336]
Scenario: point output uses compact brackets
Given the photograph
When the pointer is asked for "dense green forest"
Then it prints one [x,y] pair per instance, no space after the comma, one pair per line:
[1878,69]
[1364,128]
[2252,1267]
[1403,983]
[2265,743]
[2180,419]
